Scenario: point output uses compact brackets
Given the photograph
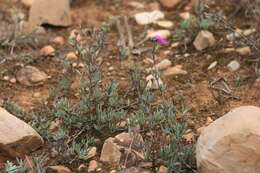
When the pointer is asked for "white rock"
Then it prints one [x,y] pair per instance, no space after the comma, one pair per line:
[231,143]
[233,66]
[153,83]
[145,18]
[16,137]
[162,33]
[232,36]
[212,65]
[204,40]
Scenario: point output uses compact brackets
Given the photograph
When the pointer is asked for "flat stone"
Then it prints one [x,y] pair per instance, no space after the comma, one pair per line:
[16,137]
[176,70]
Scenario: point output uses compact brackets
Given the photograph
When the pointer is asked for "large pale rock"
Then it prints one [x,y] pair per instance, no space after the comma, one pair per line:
[204,40]
[169,3]
[16,137]
[231,143]
[31,76]
[52,12]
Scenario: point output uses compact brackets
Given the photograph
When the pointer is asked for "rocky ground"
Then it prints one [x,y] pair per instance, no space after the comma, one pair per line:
[120,86]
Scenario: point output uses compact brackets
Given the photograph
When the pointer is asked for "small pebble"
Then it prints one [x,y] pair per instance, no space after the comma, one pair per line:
[58,40]
[74,64]
[165,24]
[233,66]
[111,68]
[212,65]
[47,51]
[71,56]
[243,50]
[248,32]
[13,80]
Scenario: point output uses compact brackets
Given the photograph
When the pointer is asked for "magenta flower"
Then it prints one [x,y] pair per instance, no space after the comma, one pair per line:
[160,39]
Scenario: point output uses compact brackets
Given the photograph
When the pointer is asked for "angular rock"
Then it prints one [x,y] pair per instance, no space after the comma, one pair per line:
[16,137]
[51,12]
[110,152]
[145,18]
[116,149]
[31,76]
[204,40]
[231,143]
[169,3]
